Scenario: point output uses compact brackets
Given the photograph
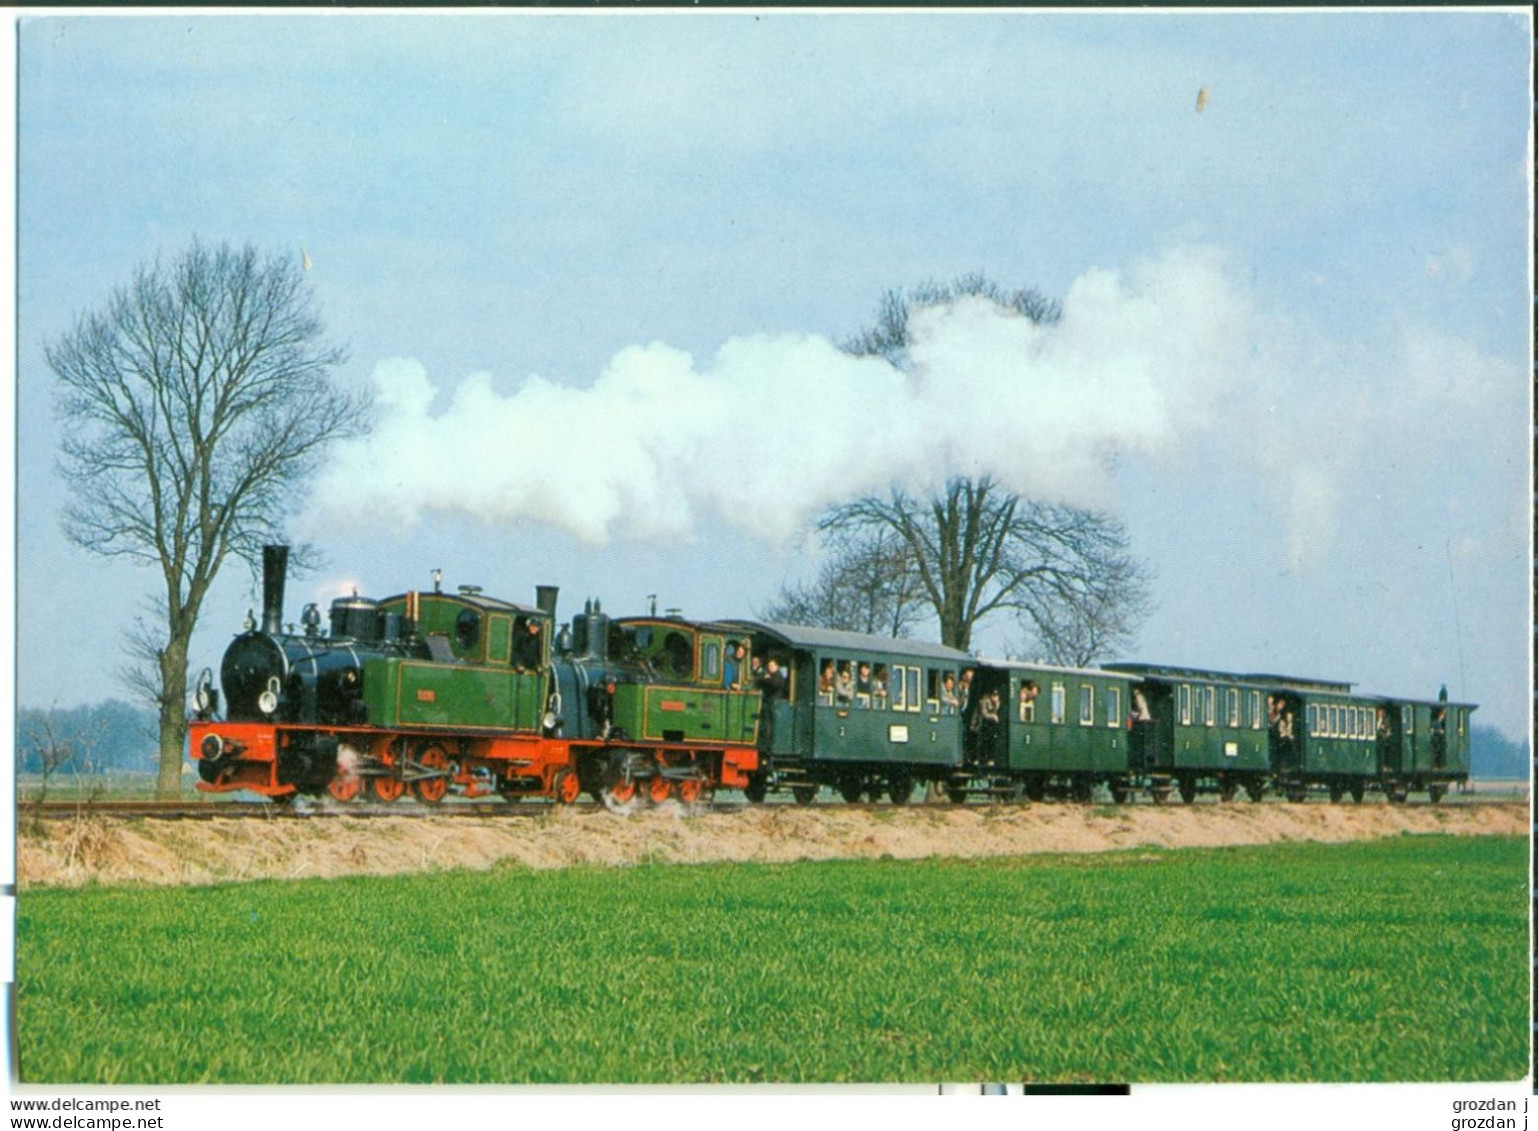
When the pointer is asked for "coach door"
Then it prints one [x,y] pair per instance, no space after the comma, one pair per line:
[1286,730]
[1394,723]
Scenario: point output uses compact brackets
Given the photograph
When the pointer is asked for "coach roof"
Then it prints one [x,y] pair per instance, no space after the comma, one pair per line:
[826,639]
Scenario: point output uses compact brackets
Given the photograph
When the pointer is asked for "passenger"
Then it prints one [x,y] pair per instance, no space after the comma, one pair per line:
[1140,711]
[772,684]
[987,720]
[1284,728]
[878,686]
[736,655]
[825,684]
[526,653]
[862,683]
[843,690]
[1029,690]
[950,701]
[966,688]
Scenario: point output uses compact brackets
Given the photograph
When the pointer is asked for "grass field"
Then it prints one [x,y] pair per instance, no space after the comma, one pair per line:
[1403,959]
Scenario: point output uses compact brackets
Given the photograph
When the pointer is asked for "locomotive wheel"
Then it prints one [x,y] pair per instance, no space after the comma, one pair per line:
[1119,794]
[1036,787]
[1358,791]
[386,788]
[849,789]
[757,788]
[620,794]
[344,787]
[1082,790]
[1187,790]
[566,787]
[804,794]
[690,790]
[956,791]
[1255,789]
[1337,791]
[659,789]
[899,784]
[432,790]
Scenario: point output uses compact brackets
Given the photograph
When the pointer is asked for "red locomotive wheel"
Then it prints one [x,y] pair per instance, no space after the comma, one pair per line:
[690,790]
[567,787]
[432,790]
[387,788]
[659,789]
[621,791]
[344,787]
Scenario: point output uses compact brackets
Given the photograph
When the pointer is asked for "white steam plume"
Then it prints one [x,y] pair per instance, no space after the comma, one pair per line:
[777,427]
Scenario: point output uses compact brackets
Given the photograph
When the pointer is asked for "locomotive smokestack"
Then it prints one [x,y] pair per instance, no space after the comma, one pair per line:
[544,598]
[274,574]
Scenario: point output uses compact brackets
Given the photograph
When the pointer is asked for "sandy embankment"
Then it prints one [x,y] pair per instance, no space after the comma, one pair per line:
[112,851]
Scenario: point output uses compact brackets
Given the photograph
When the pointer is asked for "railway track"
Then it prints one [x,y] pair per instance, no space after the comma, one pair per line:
[305,810]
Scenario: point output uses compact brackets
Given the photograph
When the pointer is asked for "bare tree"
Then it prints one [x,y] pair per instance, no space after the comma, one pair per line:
[196,401]
[889,337]
[868,584]
[54,747]
[975,549]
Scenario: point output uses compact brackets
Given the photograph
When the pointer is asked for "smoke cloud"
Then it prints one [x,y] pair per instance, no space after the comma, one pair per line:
[775,428]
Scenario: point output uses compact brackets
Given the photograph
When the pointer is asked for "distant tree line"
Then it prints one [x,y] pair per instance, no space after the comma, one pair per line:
[89,739]
[1493,755]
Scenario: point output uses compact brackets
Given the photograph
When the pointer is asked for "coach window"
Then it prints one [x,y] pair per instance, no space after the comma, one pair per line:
[1313,721]
[1233,707]
[1209,706]
[1112,706]
[1254,710]
[1086,705]
[899,690]
[1185,704]
[1029,691]
[1407,713]
[914,703]
[1059,702]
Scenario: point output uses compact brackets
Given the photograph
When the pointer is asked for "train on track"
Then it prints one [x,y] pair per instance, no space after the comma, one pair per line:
[436,693]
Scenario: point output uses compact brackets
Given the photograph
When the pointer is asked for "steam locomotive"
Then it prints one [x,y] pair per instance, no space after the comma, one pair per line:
[434,692]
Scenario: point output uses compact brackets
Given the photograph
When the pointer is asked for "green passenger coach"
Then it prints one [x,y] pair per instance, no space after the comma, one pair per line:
[1200,731]
[863,715]
[1038,729]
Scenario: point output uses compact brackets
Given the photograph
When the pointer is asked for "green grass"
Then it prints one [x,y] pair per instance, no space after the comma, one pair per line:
[1393,960]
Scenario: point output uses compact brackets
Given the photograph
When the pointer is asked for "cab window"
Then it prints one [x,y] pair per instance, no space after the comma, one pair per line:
[467,630]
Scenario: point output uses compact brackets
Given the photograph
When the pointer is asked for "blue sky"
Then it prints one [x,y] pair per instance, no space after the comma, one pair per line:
[1319,282]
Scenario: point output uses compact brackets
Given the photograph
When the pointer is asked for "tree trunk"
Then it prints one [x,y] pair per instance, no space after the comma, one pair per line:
[173,718]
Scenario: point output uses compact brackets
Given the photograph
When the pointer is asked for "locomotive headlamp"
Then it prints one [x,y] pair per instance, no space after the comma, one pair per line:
[267,701]
[211,748]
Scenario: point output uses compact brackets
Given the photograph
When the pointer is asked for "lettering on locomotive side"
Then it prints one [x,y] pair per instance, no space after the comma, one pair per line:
[427,695]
